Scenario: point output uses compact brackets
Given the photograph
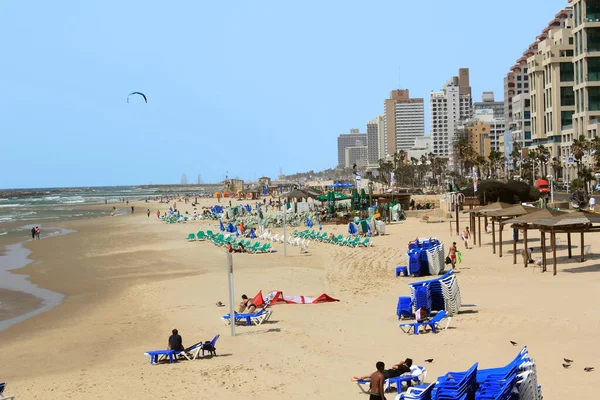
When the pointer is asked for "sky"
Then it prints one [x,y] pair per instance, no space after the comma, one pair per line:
[238,87]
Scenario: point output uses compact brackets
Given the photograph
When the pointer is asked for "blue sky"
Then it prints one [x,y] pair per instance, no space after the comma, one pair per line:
[237,86]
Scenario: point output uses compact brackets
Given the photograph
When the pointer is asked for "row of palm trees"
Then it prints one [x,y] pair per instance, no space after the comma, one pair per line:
[428,170]
[492,166]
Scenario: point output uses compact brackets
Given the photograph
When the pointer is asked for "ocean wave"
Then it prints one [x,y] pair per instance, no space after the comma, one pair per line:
[51,197]
[3,199]
[5,219]
[11,205]
[3,233]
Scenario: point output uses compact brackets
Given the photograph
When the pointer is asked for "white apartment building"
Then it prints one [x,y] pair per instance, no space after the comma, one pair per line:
[448,109]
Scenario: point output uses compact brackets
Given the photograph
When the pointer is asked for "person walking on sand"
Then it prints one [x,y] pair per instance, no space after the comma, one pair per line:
[376,379]
[33,233]
[37,233]
[466,237]
[452,254]
[148,212]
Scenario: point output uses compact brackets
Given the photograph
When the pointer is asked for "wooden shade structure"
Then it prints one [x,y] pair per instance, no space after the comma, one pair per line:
[482,212]
[507,214]
[526,222]
[575,222]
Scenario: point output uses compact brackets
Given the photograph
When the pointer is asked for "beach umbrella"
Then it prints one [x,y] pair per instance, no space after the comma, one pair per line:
[355,199]
[352,229]
[331,202]
[337,196]
[309,223]
[231,228]
[248,208]
[252,233]
[364,203]
[221,227]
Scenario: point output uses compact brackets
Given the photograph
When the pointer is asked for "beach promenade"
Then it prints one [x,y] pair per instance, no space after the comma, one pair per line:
[130,280]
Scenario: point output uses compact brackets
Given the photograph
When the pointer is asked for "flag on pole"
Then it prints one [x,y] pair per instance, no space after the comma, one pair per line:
[475,179]
[358,179]
[392,180]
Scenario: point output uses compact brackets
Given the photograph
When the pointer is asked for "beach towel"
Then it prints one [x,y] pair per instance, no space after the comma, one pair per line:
[277,296]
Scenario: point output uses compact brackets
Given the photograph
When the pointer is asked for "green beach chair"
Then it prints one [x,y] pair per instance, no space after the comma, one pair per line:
[200,235]
[191,237]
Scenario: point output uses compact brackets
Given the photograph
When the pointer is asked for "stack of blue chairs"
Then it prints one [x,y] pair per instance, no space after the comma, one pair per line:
[422,298]
[420,257]
[443,293]
[456,385]
[404,309]
[515,381]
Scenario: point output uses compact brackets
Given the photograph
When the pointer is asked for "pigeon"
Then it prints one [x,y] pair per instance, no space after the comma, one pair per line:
[513,343]
[588,369]
[567,360]
[429,360]
[566,366]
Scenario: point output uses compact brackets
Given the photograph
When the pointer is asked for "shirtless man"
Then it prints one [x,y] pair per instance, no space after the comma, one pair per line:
[401,368]
[376,391]
[452,254]
[466,237]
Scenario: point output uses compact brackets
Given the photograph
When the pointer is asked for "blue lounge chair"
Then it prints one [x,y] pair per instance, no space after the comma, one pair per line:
[2,387]
[413,327]
[157,355]
[256,318]
[421,392]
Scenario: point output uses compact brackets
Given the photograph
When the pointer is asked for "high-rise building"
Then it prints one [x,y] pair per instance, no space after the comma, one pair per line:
[373,142]
[449,107]
[353,139]
[495,128]
[552,77]
[404,121]
[520,127]
[356,155]
[488,103]
[586,33]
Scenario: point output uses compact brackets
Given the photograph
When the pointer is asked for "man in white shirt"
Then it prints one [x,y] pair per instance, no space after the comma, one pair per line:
[592,203]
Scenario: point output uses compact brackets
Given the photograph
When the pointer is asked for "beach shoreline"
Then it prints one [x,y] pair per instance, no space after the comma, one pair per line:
[129,280]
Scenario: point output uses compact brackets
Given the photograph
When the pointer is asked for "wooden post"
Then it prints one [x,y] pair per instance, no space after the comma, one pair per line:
[543,237]
[457,211]
[500,238]
[569,243]
[474,231]
[515,230]
[479,228]
[582,244]
[525,245]
[493,237]
[553,238]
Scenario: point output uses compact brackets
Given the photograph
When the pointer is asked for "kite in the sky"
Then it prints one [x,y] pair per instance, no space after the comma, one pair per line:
[141,94]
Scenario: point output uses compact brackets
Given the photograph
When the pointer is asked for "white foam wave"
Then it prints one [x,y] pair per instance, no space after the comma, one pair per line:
[3,233]
[11,205]
[51,197]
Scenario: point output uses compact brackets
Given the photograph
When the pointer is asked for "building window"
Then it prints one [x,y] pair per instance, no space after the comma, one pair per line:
[567,72]
[567,96]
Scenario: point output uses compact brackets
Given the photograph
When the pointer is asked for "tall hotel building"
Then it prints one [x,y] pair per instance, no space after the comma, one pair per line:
[404,121]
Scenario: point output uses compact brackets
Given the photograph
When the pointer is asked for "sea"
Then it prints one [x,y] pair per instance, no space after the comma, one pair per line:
[23,209]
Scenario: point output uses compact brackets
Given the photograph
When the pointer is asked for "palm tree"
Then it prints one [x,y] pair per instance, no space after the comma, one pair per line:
[579,149]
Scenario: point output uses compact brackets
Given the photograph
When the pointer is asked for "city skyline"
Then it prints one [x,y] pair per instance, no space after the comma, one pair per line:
[225,82]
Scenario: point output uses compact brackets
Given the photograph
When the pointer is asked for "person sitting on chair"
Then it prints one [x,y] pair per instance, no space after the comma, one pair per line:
[421,315]
[246,304]
[175,341]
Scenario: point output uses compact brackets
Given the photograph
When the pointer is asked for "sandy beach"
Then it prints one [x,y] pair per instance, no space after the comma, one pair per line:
[129,280]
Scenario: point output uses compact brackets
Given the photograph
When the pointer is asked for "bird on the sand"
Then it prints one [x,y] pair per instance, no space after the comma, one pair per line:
[567,360]
[566,366]
[588,369]
[429,360]
[513,343]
